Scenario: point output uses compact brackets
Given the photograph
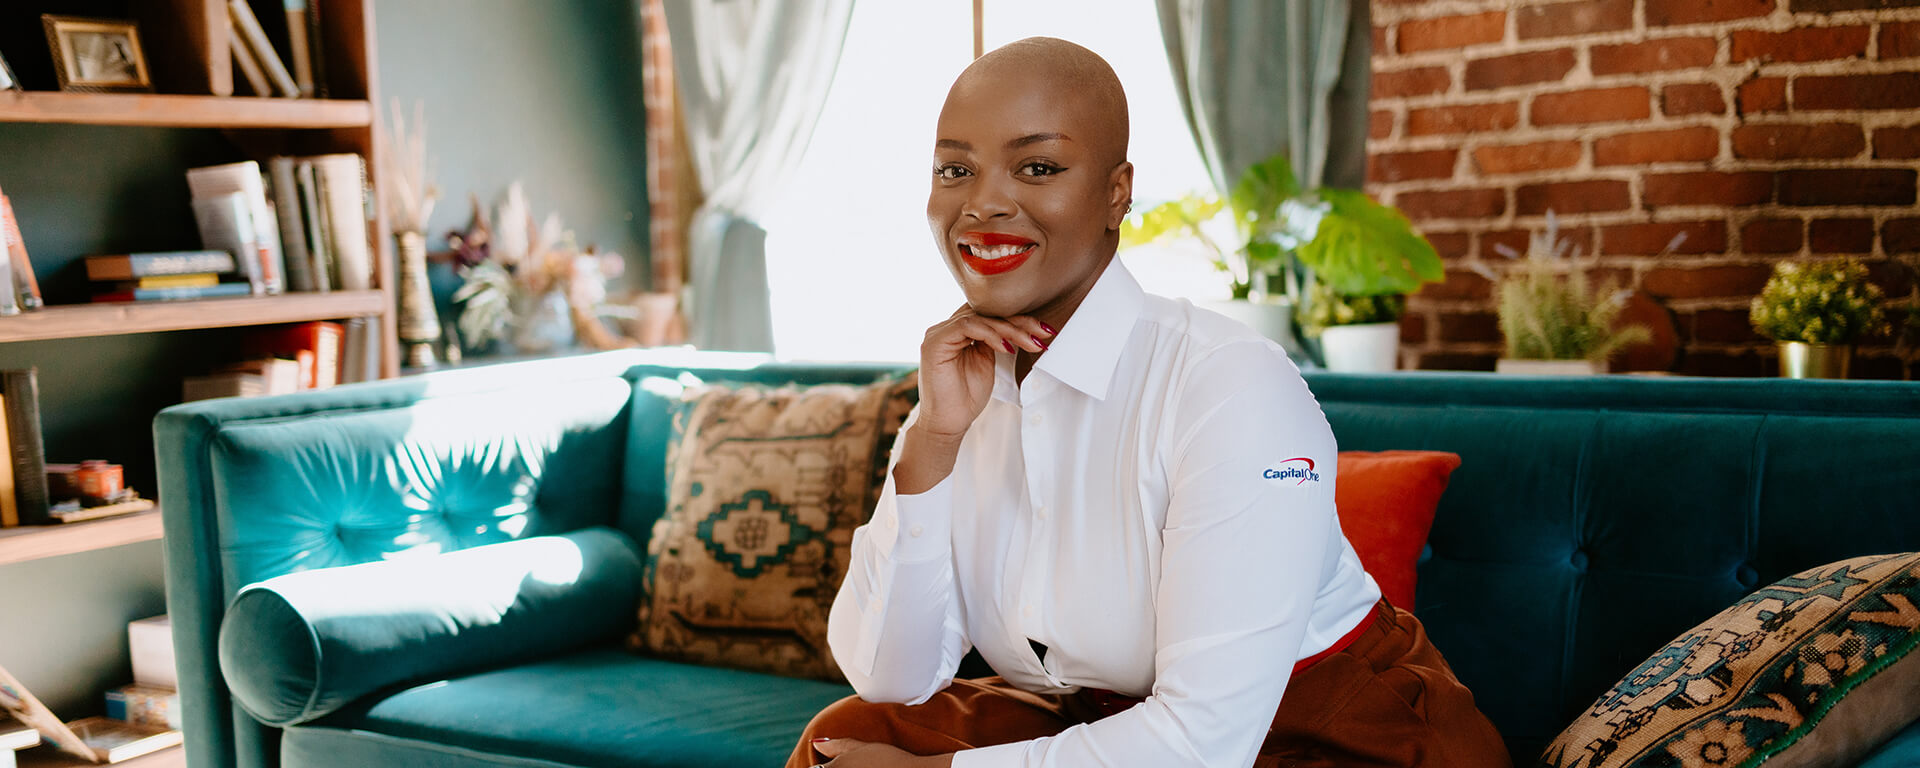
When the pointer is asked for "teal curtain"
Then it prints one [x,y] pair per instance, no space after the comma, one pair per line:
[1258,77]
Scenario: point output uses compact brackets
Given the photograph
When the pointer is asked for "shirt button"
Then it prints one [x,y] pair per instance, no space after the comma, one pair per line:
[1040,511]
[1034,419]
[915,531]
[892,523]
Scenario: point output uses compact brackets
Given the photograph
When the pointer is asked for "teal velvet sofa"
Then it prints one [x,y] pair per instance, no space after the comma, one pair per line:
[1592,520]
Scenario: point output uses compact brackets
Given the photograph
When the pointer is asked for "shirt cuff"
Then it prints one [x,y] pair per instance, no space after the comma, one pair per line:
[925,527]
[996,756]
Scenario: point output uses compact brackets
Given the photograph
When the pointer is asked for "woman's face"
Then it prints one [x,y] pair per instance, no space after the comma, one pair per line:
[1028,195]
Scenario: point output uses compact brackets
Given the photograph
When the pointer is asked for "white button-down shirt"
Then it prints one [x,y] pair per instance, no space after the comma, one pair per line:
[1154,504]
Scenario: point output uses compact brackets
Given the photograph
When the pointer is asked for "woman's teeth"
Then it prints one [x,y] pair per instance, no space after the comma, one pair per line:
[992,252]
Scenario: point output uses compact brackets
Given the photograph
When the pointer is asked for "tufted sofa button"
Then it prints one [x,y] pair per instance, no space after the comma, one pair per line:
[1579,560]
[1748,576]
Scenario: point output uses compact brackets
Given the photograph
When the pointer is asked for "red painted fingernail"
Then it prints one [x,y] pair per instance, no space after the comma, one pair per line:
[1007,344]
[1036,340]
[822,739]
[1050,330]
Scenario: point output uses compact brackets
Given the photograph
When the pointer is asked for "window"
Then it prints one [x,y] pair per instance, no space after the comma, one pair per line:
[852,267]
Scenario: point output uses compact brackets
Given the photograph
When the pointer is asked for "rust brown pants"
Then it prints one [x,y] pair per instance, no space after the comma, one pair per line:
[1388,699]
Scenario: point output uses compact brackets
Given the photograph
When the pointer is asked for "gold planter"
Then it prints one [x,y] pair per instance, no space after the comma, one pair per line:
[1801,360]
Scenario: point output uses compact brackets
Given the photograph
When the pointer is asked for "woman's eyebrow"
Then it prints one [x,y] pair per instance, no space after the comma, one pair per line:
[1035,138]
[953,144]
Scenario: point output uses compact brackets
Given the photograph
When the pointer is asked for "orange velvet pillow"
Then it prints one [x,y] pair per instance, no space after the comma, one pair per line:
[1387,500]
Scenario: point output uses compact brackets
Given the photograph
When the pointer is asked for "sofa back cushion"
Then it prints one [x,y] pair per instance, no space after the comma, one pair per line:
[1592,520]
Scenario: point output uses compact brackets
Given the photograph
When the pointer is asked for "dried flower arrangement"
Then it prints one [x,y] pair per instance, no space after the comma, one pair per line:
[1548,310]
[532,286]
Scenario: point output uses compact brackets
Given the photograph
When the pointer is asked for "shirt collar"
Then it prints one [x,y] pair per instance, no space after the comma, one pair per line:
[1088,349]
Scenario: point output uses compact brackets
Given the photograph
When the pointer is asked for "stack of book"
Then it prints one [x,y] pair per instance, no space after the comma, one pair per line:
[165,276]
[291,358]
[262,67]
[94,739]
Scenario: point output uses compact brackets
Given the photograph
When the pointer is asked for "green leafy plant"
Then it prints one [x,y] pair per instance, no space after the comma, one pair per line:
[1820,302]
[1354,245]
[1549,311]
[1326,308]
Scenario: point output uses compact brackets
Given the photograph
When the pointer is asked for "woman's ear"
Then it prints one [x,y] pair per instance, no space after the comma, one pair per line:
[1120,194]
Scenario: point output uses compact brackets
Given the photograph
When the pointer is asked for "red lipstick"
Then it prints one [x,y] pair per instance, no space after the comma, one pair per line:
[990,267]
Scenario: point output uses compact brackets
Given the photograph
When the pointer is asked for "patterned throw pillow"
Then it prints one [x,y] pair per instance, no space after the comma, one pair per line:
[765,487]
[1828,647]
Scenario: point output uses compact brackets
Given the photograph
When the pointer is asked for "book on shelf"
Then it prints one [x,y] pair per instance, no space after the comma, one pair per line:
[299,47]
[20,388]
[74,512]
[9,507]
[243,59]
[319,231]
[253,378]
[150,645]
[19,702]
[198,280]
[179,293]
[112,741]
[26,288]
[143,704]
[134,266]
[249,222]
[247,28]
[319,341]
[291,215]
[342,194]
[16,736]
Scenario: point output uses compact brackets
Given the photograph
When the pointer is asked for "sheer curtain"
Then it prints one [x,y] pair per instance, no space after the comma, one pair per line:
[753,77]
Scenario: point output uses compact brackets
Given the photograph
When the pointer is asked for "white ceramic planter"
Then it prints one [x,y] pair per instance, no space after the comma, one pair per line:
[1365,348]
[1272,320]
[1550,367]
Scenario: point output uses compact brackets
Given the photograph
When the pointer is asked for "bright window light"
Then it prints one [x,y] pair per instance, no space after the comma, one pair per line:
[852,268]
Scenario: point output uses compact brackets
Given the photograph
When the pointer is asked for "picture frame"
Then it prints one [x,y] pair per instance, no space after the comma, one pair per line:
[96,55]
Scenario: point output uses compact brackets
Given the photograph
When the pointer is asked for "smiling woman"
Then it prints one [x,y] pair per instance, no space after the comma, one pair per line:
[852,271]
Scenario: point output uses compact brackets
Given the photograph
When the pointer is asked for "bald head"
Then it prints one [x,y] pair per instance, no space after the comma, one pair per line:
[1069,76]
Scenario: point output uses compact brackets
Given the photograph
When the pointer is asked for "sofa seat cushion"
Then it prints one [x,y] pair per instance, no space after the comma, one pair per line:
[602,707]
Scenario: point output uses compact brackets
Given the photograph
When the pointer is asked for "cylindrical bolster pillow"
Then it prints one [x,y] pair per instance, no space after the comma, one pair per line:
[297,647]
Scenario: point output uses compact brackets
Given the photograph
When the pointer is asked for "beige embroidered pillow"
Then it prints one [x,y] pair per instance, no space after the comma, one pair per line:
[764,489]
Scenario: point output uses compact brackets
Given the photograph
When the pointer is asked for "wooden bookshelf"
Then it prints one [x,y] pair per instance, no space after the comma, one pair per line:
[176,111]
[45,756]
[70,321]
[33,542]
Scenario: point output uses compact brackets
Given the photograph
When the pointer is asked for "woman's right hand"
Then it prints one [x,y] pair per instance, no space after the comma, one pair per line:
[956,380]
[956,367]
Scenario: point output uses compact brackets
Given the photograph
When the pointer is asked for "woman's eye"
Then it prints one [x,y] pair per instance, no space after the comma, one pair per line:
[1040,169]
[950,172]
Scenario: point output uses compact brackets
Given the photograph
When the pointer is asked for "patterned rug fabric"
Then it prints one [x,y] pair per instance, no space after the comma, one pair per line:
[765,487]
[1750,684]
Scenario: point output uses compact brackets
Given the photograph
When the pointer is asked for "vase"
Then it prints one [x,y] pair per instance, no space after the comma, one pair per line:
[1802,360]
[419,323]
[1550,367]
[1362,348]
[542,323]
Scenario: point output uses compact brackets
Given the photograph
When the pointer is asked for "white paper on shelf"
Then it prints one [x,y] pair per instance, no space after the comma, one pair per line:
[244,178]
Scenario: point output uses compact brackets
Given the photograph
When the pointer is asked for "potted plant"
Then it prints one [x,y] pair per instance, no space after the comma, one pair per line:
[1814,311]
[1360,258]
[1553,322]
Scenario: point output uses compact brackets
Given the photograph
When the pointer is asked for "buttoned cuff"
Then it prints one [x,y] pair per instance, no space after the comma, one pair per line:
[996,756]
[924,524]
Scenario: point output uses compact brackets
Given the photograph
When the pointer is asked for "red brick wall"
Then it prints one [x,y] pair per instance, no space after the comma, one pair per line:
[1763,129]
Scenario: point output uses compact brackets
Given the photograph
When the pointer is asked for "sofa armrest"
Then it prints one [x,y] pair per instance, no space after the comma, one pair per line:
[1901,751]
[297,647]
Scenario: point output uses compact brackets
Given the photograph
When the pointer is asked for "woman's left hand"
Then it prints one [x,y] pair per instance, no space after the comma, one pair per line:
[854,753]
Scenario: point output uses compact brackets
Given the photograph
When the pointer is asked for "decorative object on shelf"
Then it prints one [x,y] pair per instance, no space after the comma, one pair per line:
[530,289]
[96,55]
[8,81]
[24,292]
[1553,321]
[1814,311]
[1352,258]
[410,199]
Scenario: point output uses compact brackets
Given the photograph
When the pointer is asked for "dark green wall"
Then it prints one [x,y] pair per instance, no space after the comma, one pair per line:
[545,92]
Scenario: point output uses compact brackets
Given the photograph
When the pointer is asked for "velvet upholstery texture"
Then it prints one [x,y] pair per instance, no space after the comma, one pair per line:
[1590,522]
[1386,501]
[299,646]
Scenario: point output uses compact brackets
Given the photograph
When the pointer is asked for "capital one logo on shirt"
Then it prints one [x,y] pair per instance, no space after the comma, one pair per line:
[1299,466]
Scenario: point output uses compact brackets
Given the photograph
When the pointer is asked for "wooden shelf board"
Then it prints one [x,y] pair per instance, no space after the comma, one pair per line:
[180,111]
[32,542]
[69,321]
[44,756]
